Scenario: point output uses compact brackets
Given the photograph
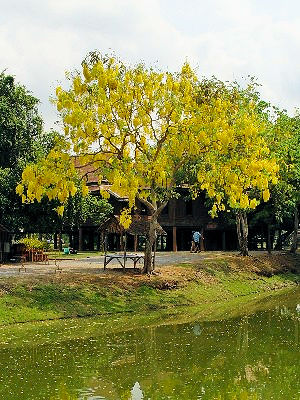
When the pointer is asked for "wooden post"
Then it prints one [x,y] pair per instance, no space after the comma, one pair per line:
[55,241]
[98,242]
[223,240]
[174,239]
[124,246]
[105,243]
[59,241]
[202,247]
[102,241]
[80,244]
[135,243]
[269,244]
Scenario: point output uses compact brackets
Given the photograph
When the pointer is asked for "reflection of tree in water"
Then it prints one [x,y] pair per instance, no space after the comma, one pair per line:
[221,360]
[197,329]
[136,392]
[243,337]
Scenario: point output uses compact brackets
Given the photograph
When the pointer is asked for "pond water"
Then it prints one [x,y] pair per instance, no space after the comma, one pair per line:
[253,354]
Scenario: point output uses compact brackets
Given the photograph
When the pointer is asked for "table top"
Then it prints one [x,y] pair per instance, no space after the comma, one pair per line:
[124,255]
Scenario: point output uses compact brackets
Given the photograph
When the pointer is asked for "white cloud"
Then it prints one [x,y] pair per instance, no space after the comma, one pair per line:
[39,40]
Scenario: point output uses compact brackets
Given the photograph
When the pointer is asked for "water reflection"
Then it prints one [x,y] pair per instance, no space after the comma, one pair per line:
[254,356]
[197,329]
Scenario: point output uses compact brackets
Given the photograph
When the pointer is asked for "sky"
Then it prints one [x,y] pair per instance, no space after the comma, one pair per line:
[231,39]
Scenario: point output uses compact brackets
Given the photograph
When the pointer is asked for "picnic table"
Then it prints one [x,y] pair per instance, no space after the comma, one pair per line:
[122,258]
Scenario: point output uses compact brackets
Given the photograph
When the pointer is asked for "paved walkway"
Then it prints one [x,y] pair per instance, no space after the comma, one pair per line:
[94,265]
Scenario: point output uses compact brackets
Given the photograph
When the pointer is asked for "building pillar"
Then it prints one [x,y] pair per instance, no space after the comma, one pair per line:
[121,242]
[174,239]
[80,240]
[102,239]
[59,238]
[91,241]
[135,243]
[55,241]
[98,241]
[262,239]
[223,240]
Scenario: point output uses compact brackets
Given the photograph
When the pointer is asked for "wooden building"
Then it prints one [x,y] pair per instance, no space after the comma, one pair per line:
[179,219]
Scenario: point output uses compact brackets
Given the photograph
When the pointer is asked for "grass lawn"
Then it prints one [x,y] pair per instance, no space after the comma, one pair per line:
[79,255]
[214,281]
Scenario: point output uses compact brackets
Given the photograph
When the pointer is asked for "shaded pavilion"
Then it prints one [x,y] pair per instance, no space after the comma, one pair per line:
[138,227]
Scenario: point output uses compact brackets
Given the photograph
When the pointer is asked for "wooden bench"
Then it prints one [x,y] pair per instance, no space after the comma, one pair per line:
[122,258]
[56,263]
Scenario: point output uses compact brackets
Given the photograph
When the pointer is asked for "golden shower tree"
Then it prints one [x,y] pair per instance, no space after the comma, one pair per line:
[137,127]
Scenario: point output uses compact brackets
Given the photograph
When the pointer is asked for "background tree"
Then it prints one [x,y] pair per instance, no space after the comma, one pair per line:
[80,209]
[20,124]
[131,124]
[286,148]
[21,141]
[238,169]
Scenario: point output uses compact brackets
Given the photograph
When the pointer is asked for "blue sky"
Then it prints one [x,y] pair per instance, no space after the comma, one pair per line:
[40,40]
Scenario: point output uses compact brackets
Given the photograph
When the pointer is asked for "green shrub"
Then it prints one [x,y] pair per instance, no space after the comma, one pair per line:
[33,243]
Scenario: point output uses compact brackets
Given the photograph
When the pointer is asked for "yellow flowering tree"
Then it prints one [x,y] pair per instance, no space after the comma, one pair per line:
[138,127]
[131,125]
[238,169]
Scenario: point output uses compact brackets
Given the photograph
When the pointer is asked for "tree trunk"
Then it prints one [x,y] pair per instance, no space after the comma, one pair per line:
[101,242]
[279,240]
[150,240]
[242,232]
[135,243]
[80,240]
[295,232]
[151,232]
[55,241]
[59,241]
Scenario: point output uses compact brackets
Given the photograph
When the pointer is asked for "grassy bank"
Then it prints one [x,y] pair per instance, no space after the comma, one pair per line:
[221,280]
[79,255]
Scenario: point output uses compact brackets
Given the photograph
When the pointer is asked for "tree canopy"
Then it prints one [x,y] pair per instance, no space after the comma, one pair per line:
[20,124]
[285,146]
[21,141]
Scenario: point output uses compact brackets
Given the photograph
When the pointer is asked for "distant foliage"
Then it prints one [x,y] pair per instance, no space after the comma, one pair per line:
[22,141]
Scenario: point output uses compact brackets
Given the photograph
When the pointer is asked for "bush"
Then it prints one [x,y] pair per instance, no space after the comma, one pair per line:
[32,243]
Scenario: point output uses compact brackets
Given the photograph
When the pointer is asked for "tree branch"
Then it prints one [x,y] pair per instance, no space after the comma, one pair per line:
[160,208]
[146,203]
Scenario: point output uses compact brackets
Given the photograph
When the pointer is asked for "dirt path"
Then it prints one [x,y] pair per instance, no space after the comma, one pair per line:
[94,265]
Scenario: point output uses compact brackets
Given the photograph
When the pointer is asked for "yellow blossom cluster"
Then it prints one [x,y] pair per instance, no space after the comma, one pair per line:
[238,170]
[52,177]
